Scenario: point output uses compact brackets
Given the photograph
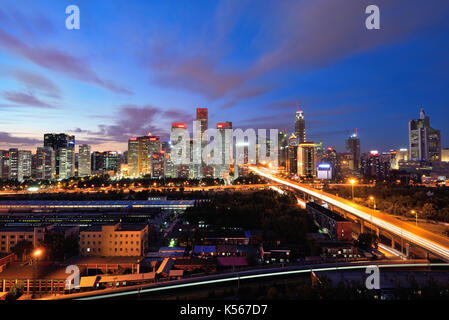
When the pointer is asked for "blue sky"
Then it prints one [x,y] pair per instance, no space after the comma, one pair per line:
[136,66]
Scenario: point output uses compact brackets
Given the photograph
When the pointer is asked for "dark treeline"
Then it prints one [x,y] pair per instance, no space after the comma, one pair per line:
[278,216]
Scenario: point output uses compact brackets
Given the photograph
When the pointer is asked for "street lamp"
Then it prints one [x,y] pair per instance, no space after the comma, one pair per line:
[416,216]
[374,208]
[352,182]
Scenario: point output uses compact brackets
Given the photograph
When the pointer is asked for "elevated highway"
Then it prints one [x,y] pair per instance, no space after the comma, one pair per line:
[426,240]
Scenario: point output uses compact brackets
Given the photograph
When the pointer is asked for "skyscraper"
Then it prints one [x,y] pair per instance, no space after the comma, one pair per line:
[424,141]
[222,169]
[4,165]
[202,115]
[300,126]
[140,152]
[307,161]
[84,161]
[64,147]
[43,164]
[353,146]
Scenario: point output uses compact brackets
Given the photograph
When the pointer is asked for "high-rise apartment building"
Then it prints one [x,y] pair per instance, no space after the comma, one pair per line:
[84,161]
[424,141]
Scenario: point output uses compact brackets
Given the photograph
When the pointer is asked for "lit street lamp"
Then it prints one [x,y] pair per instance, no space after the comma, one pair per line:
[416,216]
[352,182]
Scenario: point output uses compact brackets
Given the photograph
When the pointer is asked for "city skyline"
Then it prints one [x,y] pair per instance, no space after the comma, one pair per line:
[80,83]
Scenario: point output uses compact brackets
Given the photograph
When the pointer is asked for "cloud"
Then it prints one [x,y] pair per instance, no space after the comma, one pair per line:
[57,60]
[7,138]
[134,120]
[25,99]
[33,81]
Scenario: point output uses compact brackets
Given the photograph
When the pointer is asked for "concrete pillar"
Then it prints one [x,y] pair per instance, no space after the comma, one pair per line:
[362,230]
[427,255]
[392,242]
[407,250]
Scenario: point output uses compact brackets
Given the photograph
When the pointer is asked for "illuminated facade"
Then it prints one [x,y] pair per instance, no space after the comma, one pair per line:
[114,240]
[140,152]
[84,161]
[307,161]
[43,164]
[64,147]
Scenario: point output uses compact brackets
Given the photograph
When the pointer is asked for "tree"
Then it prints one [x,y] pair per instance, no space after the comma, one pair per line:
[23,248]
[15,292]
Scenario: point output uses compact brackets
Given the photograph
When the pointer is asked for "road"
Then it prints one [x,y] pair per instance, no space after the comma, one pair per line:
[432,242]
[133,291]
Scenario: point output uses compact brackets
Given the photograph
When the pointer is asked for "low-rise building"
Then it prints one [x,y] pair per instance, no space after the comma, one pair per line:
[114,240]
[337,226]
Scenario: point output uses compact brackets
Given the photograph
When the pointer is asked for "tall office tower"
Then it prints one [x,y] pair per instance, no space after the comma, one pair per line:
[424,141]
[353,146]
[13,164]
[64,147]
[140,151]
[292,160]
[43,164]
[184,158]
[20,164]
[221,170]
[282,152]
[84,161]
[4,165]
[133,157]
[202,115]
[396,156]
[307,161]
[300,126]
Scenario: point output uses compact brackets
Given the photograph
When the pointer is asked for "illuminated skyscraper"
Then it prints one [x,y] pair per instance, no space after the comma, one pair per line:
[140,152]
[300,126]
[4,165]
[307,161]
[64,147]
[43,164]
[353,146]
[222,169]
[424,141]
[84,161]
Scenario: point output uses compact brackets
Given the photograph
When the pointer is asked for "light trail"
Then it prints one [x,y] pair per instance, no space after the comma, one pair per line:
[263,275]
[425,243]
